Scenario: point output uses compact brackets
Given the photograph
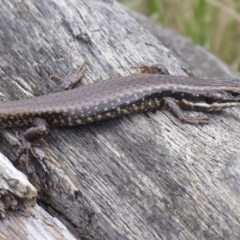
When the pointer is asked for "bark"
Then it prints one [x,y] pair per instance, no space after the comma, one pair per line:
[144,176]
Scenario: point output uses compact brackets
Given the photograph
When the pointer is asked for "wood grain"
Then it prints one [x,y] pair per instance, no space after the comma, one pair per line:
[146,176]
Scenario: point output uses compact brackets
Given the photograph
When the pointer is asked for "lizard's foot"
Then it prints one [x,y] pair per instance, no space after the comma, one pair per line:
[29,138]
[27,148]
[152,69]
[70,79]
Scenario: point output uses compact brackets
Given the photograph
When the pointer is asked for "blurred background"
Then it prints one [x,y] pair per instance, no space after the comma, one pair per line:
[213,24]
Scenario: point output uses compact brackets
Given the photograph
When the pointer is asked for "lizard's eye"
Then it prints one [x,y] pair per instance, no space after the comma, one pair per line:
[209,98]
[234,94]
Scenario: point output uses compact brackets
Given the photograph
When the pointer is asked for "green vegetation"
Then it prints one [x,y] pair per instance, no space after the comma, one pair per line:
[214,24]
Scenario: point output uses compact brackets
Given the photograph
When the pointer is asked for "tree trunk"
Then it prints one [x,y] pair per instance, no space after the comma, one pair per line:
[144,176]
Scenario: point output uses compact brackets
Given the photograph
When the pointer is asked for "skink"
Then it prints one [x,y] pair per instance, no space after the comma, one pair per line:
[117,97]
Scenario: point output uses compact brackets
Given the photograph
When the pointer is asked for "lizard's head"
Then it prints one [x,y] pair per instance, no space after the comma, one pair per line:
[222,99]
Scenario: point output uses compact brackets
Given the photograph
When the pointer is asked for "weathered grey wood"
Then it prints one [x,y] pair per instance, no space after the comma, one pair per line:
[15,190]
[34,224]
[145,176]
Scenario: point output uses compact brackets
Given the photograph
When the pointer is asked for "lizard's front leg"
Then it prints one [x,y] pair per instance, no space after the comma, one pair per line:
[152,69]
[177,112]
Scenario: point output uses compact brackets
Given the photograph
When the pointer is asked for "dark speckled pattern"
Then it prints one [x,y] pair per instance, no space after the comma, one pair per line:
[121,96]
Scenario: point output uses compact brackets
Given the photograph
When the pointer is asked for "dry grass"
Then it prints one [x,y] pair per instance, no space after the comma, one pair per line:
[214,24]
